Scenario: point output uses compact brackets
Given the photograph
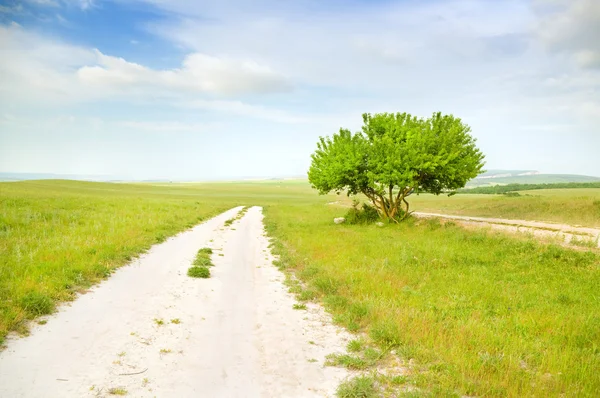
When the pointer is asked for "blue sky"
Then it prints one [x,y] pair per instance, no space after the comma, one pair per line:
[237,88]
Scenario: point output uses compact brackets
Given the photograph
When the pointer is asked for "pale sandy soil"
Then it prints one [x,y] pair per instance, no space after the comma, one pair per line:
[238,335]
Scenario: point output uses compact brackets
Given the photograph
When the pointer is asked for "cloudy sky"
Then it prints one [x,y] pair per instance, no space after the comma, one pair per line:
[199,89]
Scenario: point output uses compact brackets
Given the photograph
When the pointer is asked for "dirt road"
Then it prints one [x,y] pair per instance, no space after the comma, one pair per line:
[563,232]
[233,335]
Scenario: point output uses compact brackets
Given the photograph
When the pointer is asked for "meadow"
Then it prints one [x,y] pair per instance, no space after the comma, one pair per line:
[478,313]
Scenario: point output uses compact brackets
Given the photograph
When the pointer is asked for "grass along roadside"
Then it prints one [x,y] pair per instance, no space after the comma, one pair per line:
[478,313]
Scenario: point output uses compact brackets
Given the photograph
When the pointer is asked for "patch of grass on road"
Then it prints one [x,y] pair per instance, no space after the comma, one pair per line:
[198,272]
[241,214]
[199,268]
[479,314]
[203,258]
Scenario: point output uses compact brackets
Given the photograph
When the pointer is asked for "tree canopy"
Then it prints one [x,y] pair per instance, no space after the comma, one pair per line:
[395,155]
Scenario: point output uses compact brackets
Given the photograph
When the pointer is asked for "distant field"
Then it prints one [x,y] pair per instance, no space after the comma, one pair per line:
[509,188]
[569,206]
[533,179]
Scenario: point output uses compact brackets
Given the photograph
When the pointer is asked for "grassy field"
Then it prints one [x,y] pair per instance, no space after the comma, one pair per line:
[533,179]
[479,314]
[569,206]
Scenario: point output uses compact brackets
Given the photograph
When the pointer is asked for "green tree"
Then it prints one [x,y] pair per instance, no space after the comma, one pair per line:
[394,156]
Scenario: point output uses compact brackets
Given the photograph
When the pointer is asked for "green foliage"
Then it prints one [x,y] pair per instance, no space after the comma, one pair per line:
[395,155]
[198,272]
[365,215]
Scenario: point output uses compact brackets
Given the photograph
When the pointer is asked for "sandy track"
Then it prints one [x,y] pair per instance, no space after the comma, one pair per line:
[238,335]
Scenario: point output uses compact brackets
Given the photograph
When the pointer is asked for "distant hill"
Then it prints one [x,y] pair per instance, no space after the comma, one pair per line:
[504,177]
[51,176]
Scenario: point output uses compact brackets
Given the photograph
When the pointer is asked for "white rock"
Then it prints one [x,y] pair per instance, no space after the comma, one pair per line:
[379,224]
[339,220]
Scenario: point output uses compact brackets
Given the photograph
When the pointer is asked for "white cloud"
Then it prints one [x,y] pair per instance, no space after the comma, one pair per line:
[588,58]
[242,109]
[199,73]
[516,73]
[41,69]
[169,126]
[571,27]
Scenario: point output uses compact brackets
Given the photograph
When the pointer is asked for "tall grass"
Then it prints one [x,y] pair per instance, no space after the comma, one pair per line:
[479,314]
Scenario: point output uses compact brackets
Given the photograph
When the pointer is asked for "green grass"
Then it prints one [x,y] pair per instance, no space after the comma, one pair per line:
[358,387]
[480,314]
[239,216]
[117,391]
[203,258]
[206,250]
[584,242]
[198,272]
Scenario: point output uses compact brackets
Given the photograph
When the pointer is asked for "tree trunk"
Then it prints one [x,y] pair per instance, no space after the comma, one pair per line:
[389,208]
